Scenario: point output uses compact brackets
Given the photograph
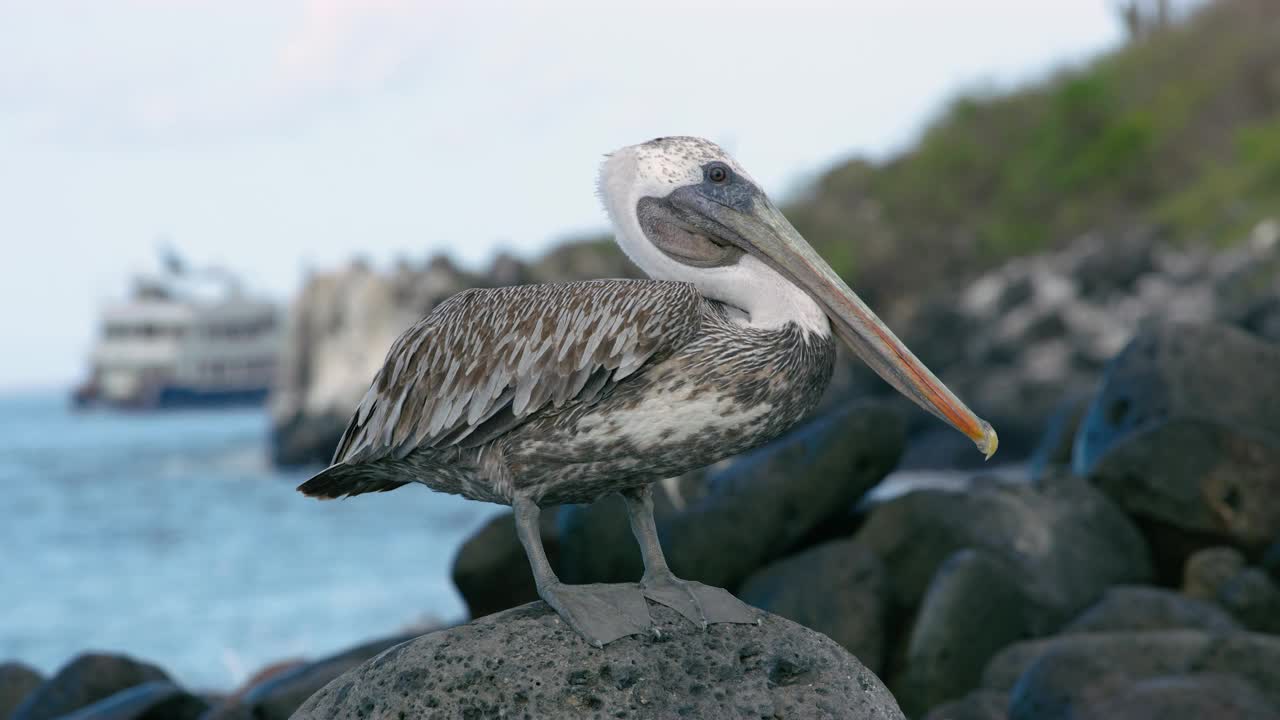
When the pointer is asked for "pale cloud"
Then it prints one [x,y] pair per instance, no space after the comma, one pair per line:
[351,45]
[167,71]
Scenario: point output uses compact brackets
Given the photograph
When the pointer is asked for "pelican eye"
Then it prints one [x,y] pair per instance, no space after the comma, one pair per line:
[718,174]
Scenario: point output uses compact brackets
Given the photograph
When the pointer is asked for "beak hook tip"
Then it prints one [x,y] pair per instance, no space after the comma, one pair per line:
[989,441]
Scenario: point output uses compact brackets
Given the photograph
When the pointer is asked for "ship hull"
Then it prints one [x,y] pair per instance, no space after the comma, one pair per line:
[173,397]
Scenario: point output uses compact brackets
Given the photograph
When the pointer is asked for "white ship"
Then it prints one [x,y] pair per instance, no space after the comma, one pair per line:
[184,338]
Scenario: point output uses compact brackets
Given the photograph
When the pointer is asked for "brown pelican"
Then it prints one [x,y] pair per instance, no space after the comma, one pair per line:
[546,394]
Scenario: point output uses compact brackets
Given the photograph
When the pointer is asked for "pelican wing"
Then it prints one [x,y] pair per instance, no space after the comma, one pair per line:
[486,360]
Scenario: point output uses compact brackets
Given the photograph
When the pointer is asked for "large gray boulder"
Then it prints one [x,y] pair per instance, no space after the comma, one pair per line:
[974,607]
[750,510]
[991,565]
[524,662]
[1064,541]
[1185,431]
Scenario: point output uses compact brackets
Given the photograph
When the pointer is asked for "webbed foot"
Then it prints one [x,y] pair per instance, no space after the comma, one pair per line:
[702,604]
[600,613]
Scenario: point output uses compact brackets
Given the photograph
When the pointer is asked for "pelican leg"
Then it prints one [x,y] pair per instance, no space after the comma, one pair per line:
[599,613]
[701,604]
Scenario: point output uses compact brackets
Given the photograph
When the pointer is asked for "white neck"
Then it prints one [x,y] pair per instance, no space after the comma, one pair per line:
[768,299]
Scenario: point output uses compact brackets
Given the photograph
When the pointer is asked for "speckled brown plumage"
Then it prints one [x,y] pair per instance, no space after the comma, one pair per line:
[567,392]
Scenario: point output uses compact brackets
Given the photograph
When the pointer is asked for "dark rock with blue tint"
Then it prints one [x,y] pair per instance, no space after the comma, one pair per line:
[1253,656]
[83,681]
[1003,671]
[1081,674]
[278,696]
[1271,560]
[526,663]
[1186,697]
[1077,670]
[1185,431]
[754,508]
[157,700]
[977,705]
[838,588]
[1053,451]
[975,605]
[1263,319]
[1133,607]
[306,439]
[16,682]
[1254,599]
[1066,541]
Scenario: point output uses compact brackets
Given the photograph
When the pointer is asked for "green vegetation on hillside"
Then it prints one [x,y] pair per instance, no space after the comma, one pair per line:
[1177,133]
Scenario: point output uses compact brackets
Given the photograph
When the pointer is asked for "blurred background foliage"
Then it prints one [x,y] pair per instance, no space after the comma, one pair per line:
[1178,132]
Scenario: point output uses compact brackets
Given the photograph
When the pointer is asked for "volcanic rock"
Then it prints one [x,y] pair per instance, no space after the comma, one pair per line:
[1071,675]
[1066,541]
[975,605]
[977,705]
[1253,598]
[278,695]
[85,680]
[1132,607]
[1185,697]
[526,663]
[1185,430]
[156,700]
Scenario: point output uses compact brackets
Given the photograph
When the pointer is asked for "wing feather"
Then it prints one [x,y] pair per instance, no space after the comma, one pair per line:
[486,360]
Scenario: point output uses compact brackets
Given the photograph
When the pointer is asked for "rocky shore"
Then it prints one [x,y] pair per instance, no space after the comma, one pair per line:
[1129,568]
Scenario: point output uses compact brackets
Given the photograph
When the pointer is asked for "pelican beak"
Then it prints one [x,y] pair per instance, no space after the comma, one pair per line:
[765,233]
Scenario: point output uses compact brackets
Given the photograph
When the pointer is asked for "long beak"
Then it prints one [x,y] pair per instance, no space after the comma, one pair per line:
[765,233]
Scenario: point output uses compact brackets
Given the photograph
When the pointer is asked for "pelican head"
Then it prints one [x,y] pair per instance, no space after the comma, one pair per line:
[685,210]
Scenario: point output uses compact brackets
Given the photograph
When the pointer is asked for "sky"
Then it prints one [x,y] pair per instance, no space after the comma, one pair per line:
[277,137]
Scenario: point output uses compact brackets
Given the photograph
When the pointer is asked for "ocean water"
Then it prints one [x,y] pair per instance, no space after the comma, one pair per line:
[171,538]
